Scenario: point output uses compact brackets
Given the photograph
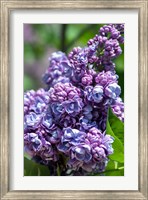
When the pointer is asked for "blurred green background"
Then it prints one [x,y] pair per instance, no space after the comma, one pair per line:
[41,40]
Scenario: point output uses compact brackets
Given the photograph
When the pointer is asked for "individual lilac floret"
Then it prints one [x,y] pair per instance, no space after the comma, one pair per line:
[48,122]
[112,90]
[87,79]
[73,107]
[118,108]
[59,69]
[32,121]
[70,137]
[94,94]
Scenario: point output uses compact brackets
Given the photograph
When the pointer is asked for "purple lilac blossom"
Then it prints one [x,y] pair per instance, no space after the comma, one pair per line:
[69,117]
[63,91]
[86,150]
[105,46]
[103,78]
[118,108]
[38,123]
[35,101]
[59,69]
[94,94]
[112,90]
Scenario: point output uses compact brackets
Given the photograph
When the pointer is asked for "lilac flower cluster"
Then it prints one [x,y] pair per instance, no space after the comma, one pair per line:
[68,118]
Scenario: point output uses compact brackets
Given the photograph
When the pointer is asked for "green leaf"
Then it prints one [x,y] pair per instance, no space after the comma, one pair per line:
[111,165]
[33,169]
[117,126]
[117,145]
[111,172]
[116,172]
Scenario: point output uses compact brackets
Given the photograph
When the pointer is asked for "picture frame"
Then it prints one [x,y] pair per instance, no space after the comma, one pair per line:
[6,8]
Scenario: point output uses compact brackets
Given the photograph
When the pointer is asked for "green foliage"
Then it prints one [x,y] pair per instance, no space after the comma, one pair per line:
[117,126]
[114,124]
[33,169]
[116,172]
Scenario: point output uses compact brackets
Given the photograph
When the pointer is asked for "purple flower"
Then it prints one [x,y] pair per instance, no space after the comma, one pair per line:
[65,125]
[78,58]
[35,101]
[113,90]
[54,136]
[112,49]
[97,93]
[47,122]
[103,78]
[94,93]
[113,31]
[36,142]
[38,106]
[73,107]
[87,79]
[105,47]
[118,108]
[86,123]
[63,91]
[81,153]
[59,69]
[91,152]
[57,108]
[70,137]
[32,121]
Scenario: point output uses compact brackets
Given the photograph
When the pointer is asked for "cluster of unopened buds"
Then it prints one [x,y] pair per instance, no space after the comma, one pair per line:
[65,123]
